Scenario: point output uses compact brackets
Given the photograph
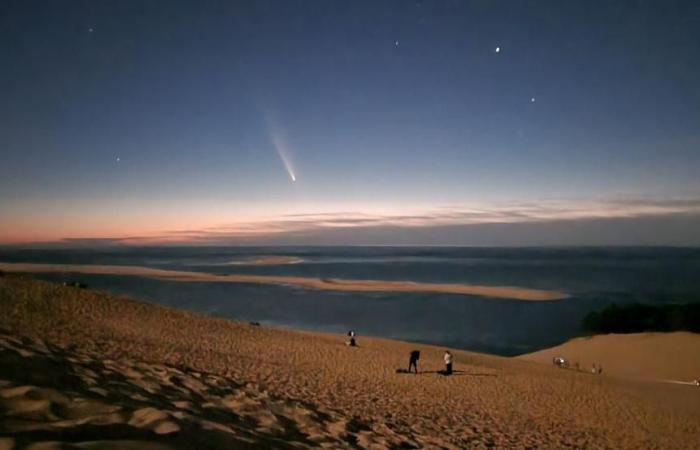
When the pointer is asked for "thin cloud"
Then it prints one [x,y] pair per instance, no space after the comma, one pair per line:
[504,223]
[309,224]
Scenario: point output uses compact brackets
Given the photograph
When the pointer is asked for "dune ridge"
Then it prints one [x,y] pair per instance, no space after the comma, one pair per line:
[333,284]
[649,356]
[161,376]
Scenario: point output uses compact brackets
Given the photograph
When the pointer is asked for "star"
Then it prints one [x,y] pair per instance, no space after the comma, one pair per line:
[396,43]
[498,49]
[532,99]
[118,159]
[90,30]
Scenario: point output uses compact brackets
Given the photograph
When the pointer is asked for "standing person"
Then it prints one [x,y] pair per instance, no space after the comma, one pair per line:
[448,362]
[351,335]
[413,361]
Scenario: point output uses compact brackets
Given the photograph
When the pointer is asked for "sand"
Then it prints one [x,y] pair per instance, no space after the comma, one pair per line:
[269,260]
[65,394]
[100,371]
[514,293]
[648,356]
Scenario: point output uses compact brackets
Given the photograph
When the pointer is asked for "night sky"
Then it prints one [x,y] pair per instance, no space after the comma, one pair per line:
[350,122]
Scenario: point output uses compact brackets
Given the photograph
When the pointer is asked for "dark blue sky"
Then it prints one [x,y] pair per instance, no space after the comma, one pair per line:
[136,119]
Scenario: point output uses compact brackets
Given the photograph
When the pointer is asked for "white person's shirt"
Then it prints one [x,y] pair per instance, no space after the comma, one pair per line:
[448,358]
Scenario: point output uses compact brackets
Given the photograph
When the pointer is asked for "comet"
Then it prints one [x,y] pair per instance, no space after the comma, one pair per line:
[283,152]
[278,139]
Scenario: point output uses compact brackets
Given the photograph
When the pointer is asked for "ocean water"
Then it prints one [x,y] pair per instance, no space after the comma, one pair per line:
[594,277]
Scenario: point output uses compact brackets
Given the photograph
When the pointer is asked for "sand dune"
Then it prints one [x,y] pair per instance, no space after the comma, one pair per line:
[650,356]
[151,406]
[515,293]
[105,372]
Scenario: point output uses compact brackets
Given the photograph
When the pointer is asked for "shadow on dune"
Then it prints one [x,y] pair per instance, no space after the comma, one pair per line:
[455,373]
[79,398]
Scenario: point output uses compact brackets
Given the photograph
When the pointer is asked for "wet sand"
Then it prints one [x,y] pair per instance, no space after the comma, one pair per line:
[332,284]
[101,371]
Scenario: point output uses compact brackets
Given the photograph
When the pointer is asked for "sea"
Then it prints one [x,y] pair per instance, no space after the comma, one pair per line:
[593,277]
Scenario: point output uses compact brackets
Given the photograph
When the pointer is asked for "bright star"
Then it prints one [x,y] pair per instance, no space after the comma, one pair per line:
[498,49]
[532,100]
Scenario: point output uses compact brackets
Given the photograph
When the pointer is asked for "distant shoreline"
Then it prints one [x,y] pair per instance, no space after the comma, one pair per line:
[271,260]
[334,284]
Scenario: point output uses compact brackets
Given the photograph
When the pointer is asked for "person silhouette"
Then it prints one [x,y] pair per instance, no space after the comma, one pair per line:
[351,342]
[448,362]
[413,361]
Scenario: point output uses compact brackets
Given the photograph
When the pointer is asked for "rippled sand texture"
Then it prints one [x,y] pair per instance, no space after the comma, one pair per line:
[56,393]
[80,366]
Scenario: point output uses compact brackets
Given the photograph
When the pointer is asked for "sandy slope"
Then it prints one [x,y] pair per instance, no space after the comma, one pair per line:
[332,284]
[651,356]
[151,374]
[56,392]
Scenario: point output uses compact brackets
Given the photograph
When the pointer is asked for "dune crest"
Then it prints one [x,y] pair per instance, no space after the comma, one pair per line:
[648,356]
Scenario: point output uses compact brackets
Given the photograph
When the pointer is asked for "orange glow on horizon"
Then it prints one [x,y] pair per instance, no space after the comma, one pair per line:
[210,225]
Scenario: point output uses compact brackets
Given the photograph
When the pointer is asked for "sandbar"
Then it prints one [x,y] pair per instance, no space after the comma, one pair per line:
[328,284]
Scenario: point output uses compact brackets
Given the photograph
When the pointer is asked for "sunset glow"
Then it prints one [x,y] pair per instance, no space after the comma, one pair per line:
[404,125]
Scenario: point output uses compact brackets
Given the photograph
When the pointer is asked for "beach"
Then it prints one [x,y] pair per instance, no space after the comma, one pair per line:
[333,284]
[166,378]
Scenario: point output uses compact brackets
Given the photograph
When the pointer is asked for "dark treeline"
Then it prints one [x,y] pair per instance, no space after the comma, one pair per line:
[637,317]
